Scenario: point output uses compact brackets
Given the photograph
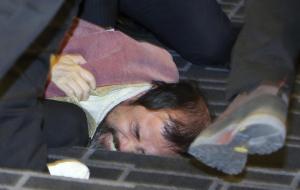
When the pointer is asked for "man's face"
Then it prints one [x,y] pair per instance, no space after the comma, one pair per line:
[131,128]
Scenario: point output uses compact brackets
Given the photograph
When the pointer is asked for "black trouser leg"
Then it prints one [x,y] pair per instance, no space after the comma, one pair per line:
[22,142]
[197,29]
[268,45]
[65,124]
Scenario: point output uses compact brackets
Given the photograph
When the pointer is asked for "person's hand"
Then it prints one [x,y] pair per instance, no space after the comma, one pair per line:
[70,77]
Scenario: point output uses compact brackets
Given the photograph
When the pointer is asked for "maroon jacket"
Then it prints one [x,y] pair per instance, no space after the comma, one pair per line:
[114,58]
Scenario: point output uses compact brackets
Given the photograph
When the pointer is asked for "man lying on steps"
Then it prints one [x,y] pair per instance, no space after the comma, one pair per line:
[111,77]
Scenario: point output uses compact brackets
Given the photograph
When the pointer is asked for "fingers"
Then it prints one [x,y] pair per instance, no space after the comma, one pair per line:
[71,78]
[74,87]
[77,91]
[82,89]
[78,59]
[84,81]
[72,59]
[88,77]
[67,90]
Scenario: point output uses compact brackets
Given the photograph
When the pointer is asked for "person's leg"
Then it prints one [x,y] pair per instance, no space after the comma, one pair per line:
[22,143]
[65,124]
[197,29]
[100,12]
[264,58]
[267,48]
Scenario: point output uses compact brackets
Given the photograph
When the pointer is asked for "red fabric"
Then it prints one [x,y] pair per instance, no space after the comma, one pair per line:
[114,58]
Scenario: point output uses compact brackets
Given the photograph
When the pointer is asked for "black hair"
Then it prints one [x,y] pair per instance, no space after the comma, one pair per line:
[185,100]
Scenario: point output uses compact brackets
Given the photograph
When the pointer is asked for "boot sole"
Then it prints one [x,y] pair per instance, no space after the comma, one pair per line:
[258,134]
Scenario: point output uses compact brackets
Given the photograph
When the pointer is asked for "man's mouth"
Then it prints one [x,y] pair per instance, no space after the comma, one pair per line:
[107,137]
[108,142]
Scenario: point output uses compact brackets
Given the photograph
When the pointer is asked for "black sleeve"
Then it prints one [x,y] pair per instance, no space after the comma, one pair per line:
[30,31]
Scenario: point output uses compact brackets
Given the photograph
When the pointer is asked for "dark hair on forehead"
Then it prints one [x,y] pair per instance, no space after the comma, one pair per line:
[185,101]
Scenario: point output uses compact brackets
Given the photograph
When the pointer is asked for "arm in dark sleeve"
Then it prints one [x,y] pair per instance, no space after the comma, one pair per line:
[30,31]
[21,22]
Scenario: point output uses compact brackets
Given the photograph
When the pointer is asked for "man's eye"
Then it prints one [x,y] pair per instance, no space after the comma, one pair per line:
[136,132]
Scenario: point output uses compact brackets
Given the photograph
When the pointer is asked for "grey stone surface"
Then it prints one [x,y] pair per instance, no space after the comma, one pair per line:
[294,125]
[75,152]
[287,159]
[247,188]
[8,178]
[146,162]
[104,173]
[141,187]
[169,180]
[60,184]
[261,177]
